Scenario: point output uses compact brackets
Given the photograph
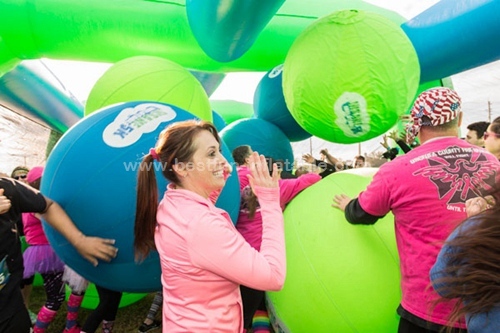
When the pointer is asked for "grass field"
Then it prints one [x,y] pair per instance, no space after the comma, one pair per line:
[128,319]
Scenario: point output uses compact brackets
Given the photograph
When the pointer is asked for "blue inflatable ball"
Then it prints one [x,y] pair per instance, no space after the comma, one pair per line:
[269,104]
[265,138]
[218,121]
[92,174]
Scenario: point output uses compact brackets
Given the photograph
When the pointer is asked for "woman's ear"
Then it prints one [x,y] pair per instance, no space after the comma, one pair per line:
[180,170]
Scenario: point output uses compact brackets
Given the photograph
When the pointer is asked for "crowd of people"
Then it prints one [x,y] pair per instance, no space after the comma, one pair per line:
[442,191]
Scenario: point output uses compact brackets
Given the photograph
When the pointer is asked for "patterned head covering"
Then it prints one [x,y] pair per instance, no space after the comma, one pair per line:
[441,105]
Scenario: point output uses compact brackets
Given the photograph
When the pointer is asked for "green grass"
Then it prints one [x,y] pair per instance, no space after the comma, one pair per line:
[128,318]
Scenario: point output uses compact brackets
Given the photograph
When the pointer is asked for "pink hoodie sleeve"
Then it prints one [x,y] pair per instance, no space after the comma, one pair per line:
[289,188]
[218,247]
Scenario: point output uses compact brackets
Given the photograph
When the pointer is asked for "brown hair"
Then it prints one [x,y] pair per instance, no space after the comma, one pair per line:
[249,199]
[472,275]
[495,125]
[175,145]
[479,127]
[241,153]
[36,183]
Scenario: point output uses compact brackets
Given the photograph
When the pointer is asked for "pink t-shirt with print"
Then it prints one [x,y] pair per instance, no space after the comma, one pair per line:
[426,190]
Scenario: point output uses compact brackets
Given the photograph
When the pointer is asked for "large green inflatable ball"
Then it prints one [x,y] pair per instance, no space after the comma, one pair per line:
[231,110]
[341,278]
[148,78]
[349,76]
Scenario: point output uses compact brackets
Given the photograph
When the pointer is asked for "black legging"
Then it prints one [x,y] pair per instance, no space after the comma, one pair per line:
[54,289]
[252,300]
[109,301]
[405,326]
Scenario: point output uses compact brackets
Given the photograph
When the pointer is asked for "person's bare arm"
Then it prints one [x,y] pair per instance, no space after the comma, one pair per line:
[329,157]
[91,248]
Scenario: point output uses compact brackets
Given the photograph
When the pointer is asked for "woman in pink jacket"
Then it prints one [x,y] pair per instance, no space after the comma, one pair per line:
[203,257]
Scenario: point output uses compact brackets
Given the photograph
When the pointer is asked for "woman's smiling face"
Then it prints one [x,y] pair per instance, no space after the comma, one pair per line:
[205,172]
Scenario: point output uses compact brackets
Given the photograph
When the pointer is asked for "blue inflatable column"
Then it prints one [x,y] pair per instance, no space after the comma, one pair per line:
[226,29]
[31,90]
[454,36]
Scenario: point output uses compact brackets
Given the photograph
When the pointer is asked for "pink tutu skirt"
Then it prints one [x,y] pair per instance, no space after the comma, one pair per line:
[41,259]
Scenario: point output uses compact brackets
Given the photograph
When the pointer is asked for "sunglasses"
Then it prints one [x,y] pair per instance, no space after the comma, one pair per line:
[20,177]
[486,135]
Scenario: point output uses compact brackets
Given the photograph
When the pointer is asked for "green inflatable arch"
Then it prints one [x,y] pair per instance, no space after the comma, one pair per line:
[103,31]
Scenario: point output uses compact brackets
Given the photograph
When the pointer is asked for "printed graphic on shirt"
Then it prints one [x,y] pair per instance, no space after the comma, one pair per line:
[4,273]
[459,173]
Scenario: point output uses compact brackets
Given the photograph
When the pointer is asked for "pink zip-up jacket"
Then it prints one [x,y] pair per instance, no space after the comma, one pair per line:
[204,259]
[251,228]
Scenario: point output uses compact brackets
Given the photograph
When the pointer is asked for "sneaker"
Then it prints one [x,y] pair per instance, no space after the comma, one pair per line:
[147,328]
[32,317]
[74,329]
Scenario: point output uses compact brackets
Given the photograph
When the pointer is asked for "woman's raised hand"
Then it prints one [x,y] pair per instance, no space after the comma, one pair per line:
[259,172]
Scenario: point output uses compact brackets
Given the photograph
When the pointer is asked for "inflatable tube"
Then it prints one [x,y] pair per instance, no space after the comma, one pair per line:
[234,28]
[455,35]
[31,90]
[108,32]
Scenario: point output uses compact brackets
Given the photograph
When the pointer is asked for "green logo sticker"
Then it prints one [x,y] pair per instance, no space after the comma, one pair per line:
[352,115]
